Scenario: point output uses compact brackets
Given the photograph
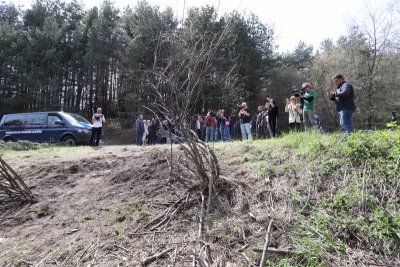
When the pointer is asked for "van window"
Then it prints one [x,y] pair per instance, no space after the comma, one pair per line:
[12,121]
[26,120]
[34,120]
[51,120]
[76,117]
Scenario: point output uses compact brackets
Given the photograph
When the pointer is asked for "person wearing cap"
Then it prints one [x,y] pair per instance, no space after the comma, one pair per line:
[308,100]
[344,100]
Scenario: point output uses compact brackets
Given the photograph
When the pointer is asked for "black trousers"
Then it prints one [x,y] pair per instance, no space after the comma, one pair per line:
[272,125]
[96,133]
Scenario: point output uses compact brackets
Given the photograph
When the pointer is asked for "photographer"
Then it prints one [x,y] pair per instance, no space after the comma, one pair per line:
[308,100]
[97,126]
[245,119]
[344,100]
[294,110]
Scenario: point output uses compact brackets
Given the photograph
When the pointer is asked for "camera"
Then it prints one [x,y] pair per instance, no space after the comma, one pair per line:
[97,117]
[298,92]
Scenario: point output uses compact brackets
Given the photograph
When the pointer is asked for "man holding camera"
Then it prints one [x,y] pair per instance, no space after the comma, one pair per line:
[245,121]
[344,100]
[97,126]
[308,101]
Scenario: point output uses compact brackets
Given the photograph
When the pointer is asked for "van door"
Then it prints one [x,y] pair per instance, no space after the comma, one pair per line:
[55,127]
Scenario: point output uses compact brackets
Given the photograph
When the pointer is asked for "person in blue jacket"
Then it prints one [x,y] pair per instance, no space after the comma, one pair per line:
[139,130]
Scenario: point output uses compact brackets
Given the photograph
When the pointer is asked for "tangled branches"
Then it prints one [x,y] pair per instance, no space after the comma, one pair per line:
[12,187]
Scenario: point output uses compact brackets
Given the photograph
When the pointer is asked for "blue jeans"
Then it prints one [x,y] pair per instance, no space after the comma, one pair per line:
[246,131]
[346,120]
[209,134]
[139,139]
[225,134]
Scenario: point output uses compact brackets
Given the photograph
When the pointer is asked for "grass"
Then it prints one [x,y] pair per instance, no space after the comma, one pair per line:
[343,191]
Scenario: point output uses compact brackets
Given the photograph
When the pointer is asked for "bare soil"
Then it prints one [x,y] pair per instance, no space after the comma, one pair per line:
[116,206]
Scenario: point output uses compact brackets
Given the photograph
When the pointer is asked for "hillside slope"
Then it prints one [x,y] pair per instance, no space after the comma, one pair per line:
[334,201]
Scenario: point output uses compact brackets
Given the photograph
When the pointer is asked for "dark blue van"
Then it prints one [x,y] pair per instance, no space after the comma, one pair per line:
[45,127]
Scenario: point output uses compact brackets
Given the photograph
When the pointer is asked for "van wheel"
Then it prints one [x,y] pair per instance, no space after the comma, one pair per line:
[8,140]
[69,140]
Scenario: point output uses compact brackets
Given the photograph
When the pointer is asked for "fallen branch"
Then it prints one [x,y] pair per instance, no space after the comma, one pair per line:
[165,213]
[247,259]
[282,252]
[201,217]
[84,252]
[147,233]
[264,254]
[156,256]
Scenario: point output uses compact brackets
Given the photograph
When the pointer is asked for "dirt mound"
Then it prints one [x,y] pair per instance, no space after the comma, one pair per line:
[96,209]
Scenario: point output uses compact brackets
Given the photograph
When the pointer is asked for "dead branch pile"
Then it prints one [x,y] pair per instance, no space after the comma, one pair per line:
[12,187]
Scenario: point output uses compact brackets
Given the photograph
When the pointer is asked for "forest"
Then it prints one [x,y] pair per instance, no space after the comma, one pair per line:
[56,55]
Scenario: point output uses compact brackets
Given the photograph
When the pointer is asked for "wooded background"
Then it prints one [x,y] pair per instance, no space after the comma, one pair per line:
[58,56]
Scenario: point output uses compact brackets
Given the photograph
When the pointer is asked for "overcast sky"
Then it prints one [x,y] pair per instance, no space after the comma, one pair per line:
[310,21]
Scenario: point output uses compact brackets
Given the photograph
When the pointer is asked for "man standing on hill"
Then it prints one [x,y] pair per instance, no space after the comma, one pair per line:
[139,130]
[97,127]
[308,100]
[245,121]
[344,100]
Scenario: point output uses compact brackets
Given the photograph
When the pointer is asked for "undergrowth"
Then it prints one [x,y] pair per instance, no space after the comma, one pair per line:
[343,194]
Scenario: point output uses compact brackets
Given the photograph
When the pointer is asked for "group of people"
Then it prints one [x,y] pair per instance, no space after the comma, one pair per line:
[220,126]
[301,111]
[148,131]
[305,110]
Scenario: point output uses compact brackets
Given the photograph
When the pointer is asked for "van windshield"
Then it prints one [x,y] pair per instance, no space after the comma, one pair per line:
[76,117]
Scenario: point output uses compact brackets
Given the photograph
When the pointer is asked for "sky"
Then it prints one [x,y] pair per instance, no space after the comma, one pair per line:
[310,21]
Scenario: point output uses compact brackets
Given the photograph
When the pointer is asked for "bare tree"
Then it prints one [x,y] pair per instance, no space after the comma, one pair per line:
[176,85]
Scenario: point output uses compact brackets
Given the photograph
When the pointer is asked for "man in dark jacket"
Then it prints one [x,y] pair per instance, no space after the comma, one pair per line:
[273,112]
[139,130]
[344,100]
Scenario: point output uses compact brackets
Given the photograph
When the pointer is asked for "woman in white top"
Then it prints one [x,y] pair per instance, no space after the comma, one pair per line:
[294,110]
[146,132]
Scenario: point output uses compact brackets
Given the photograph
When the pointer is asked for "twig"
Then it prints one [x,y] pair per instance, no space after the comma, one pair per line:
[277,251]
[156,256]
[165,213]
[243,248]
[45,258]
[247,259]
[95,252]
[264,254]
[27,262]
[201,217]
[121,247]
[86,250]
[147,233]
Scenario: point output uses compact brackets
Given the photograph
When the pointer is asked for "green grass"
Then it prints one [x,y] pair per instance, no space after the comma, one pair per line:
[344,190]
